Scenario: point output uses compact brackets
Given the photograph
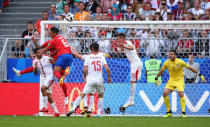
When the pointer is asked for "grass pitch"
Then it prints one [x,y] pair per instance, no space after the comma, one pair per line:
[31,121]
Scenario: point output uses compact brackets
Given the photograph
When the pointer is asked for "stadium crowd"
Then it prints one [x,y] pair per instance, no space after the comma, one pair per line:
[146,41]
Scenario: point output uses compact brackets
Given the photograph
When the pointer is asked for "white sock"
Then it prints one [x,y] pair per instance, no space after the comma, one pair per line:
[66,98]
[132,91]
[45,99]
[100,105]
[76,103]
[85,101]
[91,100]
[54,107]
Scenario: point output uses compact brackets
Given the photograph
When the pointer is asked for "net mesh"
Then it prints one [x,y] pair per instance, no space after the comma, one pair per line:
[149,39]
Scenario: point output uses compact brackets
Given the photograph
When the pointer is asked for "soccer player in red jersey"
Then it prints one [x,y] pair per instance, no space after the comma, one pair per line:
[64,53]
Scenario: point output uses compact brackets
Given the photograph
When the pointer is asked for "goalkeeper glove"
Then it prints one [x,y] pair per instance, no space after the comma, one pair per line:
[202,77]
[157,82]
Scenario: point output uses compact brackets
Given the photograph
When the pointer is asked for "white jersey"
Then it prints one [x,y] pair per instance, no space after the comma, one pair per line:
[95,65]
[44,66]
[131,54]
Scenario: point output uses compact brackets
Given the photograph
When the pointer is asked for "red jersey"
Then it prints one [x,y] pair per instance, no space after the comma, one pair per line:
[60,44]
[55,56]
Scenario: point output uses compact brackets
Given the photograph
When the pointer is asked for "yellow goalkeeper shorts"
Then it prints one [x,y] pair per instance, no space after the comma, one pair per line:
[175,85]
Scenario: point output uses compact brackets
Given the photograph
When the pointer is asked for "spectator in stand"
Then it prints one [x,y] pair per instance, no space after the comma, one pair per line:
[31,46]
[138,8]
[75,8]
[172,4]
[66,10]
[104,43]
[154,44]
[157,17]
[123,6]
[180,11]
[82,14]
[53,13]
[163,10]
[147,13]
[98,12]
[154,4]
[105,17]
[185,45]
[197,11]
[202,45]
[134,40]
[59,6]
[188,4]
[115,14]
[1,6]
[170,15]
[129,16]
[18,50]
[74,42]
[45,16]
[207,13]
[91,6]
[205,4]
[28,34]
[189,16]
[107,5]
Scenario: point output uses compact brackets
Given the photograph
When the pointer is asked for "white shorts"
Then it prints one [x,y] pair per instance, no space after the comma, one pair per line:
[92,87]
[136,69]
[48,82]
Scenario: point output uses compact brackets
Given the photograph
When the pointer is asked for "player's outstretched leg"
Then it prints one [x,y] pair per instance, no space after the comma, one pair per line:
[182,102]
[166,92]
[45,99]
[85,109]
[100,105]
[91,101]
[76,104]
[19,73]
[130,101]
[52,104]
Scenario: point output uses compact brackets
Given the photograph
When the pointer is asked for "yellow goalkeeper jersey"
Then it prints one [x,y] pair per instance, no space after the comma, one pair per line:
[175,69]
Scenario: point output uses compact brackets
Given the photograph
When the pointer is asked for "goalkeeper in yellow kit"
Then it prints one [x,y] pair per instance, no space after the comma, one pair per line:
[176,80]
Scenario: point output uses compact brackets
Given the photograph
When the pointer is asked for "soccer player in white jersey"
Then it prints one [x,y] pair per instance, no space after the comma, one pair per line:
[135,64]
[43,64]
[94,78]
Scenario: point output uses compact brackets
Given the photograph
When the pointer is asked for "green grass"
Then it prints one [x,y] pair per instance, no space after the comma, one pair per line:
[30,121]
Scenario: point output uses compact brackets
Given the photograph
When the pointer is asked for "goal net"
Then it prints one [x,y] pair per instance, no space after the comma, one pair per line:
[152,40]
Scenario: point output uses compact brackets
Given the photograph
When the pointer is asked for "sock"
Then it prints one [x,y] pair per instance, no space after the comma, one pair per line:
[76,103]
[57,74]
[167,104]
[54,107]
[45,99]
[85,101]
[64,89]
[182,102]
[27,70]
[66,98]
[100,105]
[132,91]
[62,72]
[91,100]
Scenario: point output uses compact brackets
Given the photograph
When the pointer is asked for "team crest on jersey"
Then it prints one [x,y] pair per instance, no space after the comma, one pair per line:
[177,65]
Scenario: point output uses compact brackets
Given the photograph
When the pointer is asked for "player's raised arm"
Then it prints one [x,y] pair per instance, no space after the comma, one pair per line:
[75,53]
[195,71]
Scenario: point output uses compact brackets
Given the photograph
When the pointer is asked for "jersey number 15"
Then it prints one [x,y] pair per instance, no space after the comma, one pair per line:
[97,65]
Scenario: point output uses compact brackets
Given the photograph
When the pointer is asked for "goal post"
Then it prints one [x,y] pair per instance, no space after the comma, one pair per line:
[150,38]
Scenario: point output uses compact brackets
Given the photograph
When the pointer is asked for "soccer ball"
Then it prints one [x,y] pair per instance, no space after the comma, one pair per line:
[69,17]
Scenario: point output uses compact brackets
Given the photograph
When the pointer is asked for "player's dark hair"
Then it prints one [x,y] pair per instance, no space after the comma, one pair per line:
[94,47]
[45,11]
[173,50]
[36,50]
[121,35]
[30,22]
[54,30]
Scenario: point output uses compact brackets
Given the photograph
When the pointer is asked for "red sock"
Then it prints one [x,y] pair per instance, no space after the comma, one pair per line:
[57,74]
[64,89]
[63,72]
[27,70]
